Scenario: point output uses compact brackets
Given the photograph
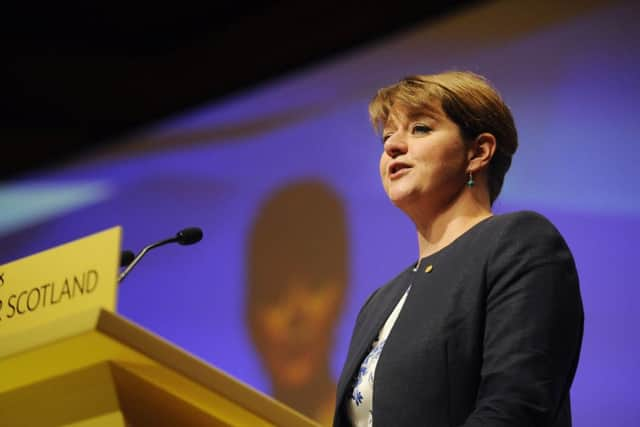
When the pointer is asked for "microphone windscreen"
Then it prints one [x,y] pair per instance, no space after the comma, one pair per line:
[126,257]
[189,236]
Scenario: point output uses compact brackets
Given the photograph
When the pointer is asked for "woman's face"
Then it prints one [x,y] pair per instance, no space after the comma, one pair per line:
[294,329]
[424,159]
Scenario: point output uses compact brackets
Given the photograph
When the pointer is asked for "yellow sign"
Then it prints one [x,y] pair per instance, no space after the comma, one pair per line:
[60,281]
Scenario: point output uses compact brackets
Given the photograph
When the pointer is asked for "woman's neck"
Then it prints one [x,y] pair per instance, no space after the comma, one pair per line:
[439,229]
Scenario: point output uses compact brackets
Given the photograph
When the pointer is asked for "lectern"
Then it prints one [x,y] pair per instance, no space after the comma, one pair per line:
[66,357]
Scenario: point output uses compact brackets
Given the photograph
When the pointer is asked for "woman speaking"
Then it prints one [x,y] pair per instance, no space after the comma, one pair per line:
[485,327]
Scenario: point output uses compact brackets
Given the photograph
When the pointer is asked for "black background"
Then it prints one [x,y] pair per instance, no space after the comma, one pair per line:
[79,75]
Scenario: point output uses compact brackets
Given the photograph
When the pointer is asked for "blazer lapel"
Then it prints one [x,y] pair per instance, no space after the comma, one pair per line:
[376,313]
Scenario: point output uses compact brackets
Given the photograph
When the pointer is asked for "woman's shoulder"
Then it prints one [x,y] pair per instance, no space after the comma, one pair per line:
[523,218]
[527,233]
[524,224]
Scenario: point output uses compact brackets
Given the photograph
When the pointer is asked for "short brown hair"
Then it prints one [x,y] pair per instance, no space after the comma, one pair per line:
[468,99]
[300,229]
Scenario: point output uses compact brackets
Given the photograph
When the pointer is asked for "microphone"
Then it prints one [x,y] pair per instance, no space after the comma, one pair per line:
[187,236]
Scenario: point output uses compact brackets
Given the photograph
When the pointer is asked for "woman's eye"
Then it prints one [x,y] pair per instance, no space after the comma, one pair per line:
[421,128]
[385,137]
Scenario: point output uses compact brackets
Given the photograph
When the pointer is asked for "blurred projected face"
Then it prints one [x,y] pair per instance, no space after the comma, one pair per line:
[423,157]
[293,328]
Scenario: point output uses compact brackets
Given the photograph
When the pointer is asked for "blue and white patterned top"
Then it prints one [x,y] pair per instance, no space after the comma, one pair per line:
[360,403]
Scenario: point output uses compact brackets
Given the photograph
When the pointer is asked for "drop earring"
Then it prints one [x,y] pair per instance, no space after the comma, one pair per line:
[470,182]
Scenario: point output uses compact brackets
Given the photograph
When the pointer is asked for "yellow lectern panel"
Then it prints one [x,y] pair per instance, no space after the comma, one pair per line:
[59,282]
[113,371]
[67,359]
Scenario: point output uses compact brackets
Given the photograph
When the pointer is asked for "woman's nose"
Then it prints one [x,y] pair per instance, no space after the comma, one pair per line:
[298,309]
[395,145]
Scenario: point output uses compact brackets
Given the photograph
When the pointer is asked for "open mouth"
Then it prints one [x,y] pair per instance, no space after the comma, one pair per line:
[398,169]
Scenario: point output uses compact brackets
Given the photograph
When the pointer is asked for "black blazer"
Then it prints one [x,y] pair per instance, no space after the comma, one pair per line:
[489,337]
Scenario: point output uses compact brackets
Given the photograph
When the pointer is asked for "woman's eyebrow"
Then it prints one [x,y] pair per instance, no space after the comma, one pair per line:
[418,115]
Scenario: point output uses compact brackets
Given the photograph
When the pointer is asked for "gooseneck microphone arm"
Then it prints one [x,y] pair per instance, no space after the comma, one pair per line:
[188,236]
[140,255]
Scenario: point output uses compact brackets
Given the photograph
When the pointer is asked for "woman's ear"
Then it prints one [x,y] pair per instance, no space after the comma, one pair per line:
[481,152]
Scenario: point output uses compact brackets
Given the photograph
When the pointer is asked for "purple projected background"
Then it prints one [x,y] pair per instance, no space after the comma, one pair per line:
[572,83]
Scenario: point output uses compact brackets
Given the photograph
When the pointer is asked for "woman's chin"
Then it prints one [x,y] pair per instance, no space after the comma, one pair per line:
[296,375]
[401,197]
